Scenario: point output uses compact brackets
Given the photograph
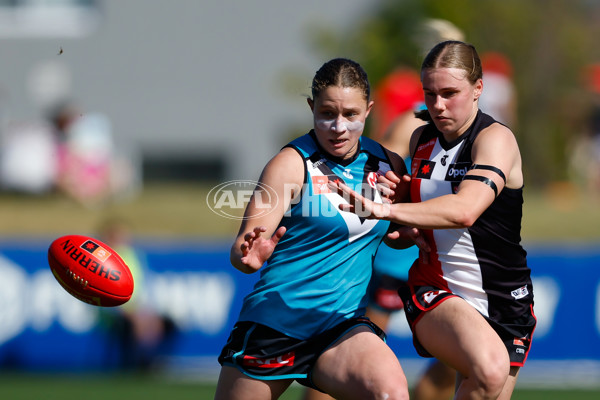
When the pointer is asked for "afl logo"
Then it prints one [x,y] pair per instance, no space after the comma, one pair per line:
[230,199]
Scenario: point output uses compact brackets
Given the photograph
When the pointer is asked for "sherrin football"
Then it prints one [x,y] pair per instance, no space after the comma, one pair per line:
[90,270]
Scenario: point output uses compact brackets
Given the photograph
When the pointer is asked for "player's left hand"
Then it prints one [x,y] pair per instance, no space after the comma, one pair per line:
[414,235]
[396,189]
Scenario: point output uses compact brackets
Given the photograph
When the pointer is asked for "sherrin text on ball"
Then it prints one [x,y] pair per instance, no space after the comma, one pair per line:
[90,270]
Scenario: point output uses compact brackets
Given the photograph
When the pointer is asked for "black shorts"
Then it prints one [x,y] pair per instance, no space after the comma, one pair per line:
[266,354]
[516,335]
[383,292]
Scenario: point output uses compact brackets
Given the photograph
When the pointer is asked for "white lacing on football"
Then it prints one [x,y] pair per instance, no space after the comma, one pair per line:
[77,278]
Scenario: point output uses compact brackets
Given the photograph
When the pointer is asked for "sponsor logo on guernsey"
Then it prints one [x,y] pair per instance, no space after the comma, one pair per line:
[347,174]
[428,297]
[318,162]
[372,179]
[426,145]
[320,184]
[425,169]
[456,172]
[520,292]
[285,360]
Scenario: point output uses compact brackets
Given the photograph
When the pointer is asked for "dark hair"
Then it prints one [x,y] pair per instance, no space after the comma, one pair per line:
[341,72]
[453,54]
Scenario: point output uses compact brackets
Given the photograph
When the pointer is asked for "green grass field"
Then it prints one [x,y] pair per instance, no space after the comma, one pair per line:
[94,387]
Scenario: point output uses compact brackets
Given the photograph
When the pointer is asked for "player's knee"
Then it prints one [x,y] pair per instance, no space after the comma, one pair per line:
[493,376]
[392,389]
[391,394]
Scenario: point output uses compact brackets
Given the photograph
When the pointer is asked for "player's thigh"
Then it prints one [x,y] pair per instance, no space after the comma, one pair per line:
[234,385]
[359,363]
[457,334]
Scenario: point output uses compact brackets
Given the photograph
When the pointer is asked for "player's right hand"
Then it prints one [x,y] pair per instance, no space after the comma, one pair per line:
[257,249]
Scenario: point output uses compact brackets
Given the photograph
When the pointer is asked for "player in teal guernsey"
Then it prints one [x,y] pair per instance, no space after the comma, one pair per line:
[322,249]
[304,319]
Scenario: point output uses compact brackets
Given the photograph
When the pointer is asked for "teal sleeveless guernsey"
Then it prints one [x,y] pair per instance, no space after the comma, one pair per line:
[319,273]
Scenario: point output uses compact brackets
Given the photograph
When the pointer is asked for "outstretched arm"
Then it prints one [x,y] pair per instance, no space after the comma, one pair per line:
[495,146]
[260,231]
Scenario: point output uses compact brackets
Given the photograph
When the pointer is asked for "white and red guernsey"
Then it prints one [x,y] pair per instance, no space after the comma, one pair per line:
[484,264]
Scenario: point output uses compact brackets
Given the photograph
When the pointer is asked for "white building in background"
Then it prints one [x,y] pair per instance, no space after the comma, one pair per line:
[199,82]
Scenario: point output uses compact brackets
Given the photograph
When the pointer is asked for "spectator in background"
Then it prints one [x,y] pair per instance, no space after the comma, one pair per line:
[585,152]
[499,97]
[90,168]
[435,30]
[140,333]
[396,96]
[28,162]
[85,148]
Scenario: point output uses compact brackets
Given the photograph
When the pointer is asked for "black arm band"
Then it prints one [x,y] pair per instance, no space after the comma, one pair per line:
[490,168]
[483,179]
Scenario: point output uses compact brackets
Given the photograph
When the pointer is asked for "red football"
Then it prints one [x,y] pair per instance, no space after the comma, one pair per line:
[90,270]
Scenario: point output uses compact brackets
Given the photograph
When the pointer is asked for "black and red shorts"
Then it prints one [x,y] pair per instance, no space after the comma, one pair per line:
[266,354]
[516,333]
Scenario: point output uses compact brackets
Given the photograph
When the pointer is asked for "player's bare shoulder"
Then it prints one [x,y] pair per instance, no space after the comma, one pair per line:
[287,158]
[285,173]
[497,136]
[288,163]
[497,145]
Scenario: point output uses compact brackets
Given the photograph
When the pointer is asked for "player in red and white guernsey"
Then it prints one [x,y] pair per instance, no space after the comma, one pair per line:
[469,300]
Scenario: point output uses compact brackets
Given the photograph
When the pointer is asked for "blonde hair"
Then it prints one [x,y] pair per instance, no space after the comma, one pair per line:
[452,54]
[455,54]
